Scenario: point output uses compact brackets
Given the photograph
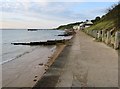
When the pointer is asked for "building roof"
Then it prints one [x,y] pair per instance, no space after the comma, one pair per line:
[89,22]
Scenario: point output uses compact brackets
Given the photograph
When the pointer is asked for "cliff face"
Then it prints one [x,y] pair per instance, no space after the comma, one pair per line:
[109,21]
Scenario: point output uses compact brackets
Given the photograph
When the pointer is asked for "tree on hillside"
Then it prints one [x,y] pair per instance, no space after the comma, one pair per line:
[96,19]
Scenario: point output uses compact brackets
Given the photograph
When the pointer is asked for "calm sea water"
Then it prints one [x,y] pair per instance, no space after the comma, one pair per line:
[12,52]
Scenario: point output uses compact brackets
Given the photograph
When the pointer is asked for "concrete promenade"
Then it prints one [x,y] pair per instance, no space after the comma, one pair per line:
[83,63]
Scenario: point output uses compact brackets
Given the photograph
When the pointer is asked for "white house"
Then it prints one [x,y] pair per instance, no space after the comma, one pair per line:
[76,27]
[86,24]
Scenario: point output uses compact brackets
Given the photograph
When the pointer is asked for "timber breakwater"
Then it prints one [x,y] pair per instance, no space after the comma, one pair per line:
[48,42]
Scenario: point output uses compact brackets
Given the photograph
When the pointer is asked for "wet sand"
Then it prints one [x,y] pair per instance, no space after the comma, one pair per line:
[25,71]
[83,63]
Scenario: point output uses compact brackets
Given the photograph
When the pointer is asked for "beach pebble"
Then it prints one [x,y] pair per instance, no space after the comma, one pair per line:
[36,76]
[41,64]
[35,80]
[45,69]
[49,57]
[46,65]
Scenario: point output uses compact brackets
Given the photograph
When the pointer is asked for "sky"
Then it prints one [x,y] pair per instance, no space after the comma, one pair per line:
[47,14]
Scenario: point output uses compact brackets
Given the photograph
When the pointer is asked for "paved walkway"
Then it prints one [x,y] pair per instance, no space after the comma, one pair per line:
[83,63]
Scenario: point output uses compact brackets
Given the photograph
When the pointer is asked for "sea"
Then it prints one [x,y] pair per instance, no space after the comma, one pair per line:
[12,52]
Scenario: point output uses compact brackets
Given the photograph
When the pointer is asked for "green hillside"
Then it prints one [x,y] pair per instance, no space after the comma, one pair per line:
[108,21]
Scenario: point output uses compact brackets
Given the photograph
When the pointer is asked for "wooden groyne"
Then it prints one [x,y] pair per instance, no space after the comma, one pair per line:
[48,42]
[32,29]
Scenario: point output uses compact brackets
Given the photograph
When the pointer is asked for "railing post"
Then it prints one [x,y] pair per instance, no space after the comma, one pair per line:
[99,35]
[116,44]
[108,37]
[103,35]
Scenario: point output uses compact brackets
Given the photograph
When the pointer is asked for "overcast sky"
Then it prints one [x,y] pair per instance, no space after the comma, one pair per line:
[37,14]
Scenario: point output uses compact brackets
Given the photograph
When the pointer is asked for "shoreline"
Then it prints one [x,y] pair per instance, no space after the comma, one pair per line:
[52,58]
[33,71]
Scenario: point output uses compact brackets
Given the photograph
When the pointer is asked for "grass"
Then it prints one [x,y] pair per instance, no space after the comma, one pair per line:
[102,25]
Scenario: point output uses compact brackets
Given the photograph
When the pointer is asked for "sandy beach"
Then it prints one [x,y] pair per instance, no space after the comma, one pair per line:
[26,72]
